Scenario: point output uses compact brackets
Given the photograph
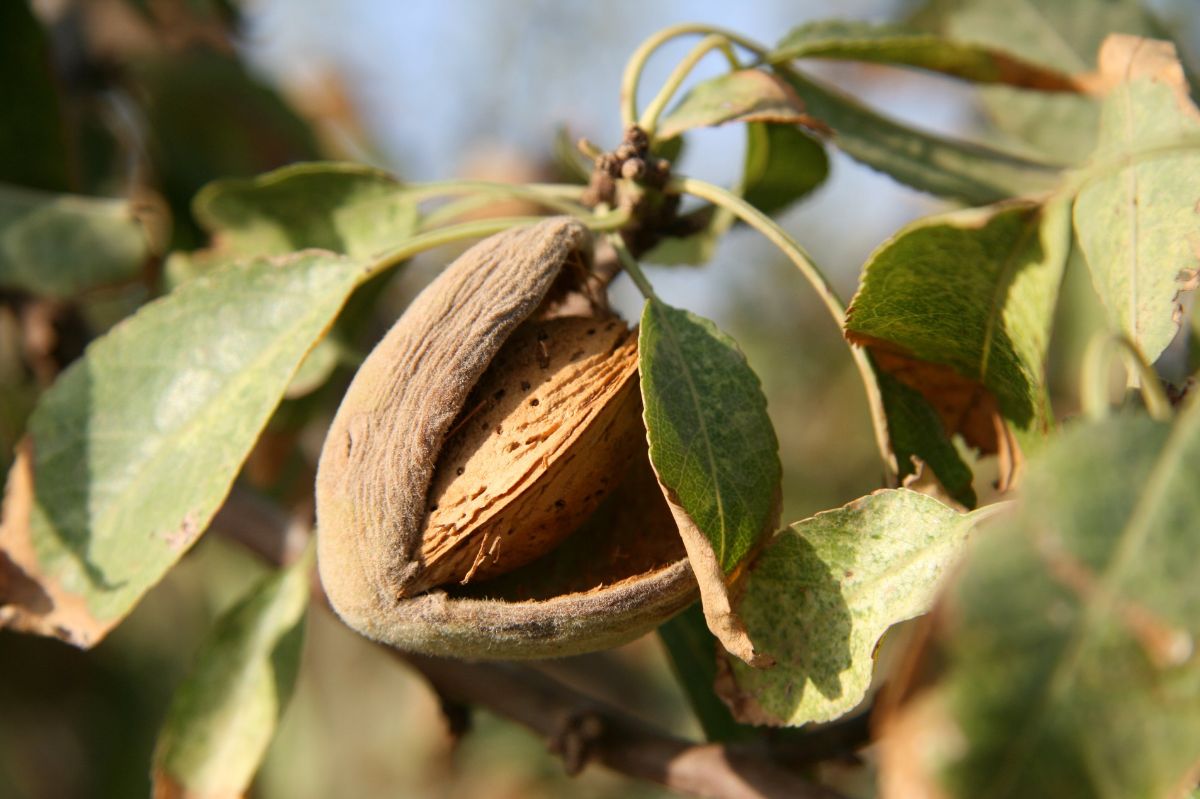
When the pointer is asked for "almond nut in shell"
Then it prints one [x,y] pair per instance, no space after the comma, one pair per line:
[399,530]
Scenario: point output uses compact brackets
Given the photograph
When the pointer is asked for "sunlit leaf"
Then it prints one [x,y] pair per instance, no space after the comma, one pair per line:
[1136,214]
[713,448]
[341,207]
[824,591]
[748,95]
[1064,662]
[225,712]
[891,44]
[131,451]
[57,245]
[925,161]
[959,307]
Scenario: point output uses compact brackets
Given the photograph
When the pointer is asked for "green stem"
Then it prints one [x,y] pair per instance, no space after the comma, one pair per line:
[637,62]
[1097,362]
[613,220]
[631,266]
[649,119]
[723,198]
[557,197]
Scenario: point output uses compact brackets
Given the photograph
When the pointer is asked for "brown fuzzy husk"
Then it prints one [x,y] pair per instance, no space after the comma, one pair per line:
[378,463]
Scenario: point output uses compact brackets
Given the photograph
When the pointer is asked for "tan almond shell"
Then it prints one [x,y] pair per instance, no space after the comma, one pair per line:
[555,413]
[380,453]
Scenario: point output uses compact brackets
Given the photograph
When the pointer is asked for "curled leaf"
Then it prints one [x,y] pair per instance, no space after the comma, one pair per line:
[822,593]
[748,95]
[892,44]
[959,307]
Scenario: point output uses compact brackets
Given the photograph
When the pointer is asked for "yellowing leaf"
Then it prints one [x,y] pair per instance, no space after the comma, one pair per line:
[823,592]
[224,713]
[1136,214]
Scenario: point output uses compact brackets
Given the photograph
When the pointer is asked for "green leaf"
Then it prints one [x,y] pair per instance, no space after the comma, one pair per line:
[970,172]
[1068,640]
[315,369]
[825,590]
[57,245]
[892,44]
[1136,212]
[131,451]
[345,208]
[748,95]
[783,164]
[959,307]
[33,142]
[1063,35]
[693,652]
[692,250]
[916,431]
[713,448]
[225,712]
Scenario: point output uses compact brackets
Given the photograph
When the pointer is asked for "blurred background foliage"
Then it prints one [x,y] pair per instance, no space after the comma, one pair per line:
[148,101]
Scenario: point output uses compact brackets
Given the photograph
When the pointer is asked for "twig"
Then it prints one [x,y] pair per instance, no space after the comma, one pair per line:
[581,729]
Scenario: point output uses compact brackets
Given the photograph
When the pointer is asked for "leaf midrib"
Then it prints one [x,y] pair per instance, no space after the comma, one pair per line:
[660,309]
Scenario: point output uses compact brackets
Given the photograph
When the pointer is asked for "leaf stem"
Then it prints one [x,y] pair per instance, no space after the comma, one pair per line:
[1097,362]
[637,62]
[613,220]
[649,118]
[723,198]
[557,197]
[632,267]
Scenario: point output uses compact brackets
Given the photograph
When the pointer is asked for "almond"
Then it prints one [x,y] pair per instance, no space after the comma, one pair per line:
[541,417]
[557,411]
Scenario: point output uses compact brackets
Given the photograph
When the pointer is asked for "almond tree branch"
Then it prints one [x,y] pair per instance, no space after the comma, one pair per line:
[581,729]
[578,728]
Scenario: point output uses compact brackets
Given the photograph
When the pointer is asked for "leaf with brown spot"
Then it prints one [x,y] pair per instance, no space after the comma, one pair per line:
[823,591]
[959,307]
[892,44]
[1135,213]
